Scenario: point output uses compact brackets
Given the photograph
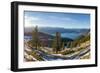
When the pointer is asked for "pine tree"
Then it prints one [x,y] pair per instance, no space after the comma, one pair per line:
[71,44]
[35,38]
[75,43]
[68,44]
[63,46]
[57,43]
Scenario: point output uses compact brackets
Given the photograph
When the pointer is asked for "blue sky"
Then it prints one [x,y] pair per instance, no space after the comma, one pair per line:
[56,19]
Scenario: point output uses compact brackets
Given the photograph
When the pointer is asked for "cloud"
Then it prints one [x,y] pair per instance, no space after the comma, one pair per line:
[61,18]
[29,20]
[67,19]
[52,21]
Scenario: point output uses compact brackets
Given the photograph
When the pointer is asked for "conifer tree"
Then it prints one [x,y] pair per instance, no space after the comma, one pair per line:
[57,43]
[68,44]
[63,46]
[71,44]
[35,38]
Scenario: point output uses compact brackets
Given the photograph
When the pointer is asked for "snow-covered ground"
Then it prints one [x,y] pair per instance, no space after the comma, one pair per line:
[49,57]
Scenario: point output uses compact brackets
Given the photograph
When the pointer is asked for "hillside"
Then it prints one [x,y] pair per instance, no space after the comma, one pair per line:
[84,37]
[78,48]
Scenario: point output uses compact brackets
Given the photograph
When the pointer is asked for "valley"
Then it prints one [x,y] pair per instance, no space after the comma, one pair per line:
[42,46]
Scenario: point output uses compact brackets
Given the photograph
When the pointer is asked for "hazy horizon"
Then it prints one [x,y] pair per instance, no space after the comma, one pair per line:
[55,27]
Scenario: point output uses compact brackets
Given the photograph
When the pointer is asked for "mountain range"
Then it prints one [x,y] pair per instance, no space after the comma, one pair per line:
[52,30]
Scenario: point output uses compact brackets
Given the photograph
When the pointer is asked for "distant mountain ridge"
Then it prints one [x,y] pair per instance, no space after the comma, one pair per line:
[39,33]
[52,30]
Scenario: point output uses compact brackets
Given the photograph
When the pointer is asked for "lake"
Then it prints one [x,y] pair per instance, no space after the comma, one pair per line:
[71,35]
